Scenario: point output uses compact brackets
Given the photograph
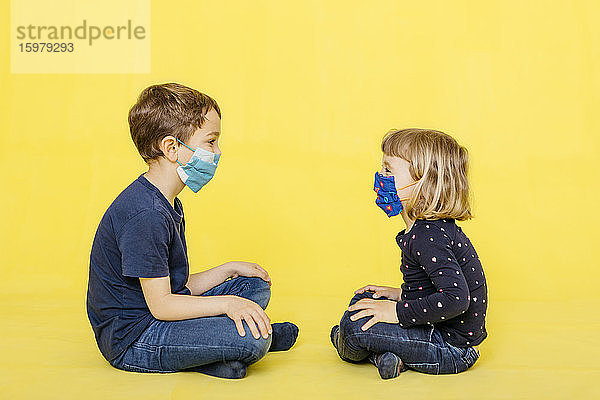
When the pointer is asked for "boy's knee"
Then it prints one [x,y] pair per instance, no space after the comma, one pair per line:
[254,349]
[259,291]
[258,283]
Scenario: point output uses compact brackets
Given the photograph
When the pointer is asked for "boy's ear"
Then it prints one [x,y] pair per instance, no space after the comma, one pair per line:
[169,147]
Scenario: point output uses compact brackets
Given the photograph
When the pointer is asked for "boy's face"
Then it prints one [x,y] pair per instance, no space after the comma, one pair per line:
[206,137]
[398,168]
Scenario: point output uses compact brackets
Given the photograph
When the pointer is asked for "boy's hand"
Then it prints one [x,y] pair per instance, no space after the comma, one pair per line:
[243,268]
[381,291]
[381,310]
[239,308]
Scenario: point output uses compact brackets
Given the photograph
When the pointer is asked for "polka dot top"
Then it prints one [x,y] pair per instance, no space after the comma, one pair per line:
[444,283]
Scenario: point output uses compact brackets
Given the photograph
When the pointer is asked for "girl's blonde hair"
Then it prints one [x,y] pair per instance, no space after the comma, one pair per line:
[440,165]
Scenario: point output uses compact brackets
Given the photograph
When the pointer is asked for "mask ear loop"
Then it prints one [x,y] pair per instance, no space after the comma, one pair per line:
[185,146]
[404,187]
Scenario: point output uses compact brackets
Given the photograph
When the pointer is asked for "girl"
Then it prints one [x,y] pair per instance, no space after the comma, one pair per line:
[435,321]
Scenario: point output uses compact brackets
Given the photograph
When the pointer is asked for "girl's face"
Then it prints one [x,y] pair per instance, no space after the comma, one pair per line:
[398,168]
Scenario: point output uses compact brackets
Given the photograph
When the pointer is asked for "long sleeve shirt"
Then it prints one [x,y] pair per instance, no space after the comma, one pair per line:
[444,283]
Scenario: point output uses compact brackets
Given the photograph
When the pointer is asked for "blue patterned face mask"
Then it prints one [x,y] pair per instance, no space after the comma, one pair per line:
[387,194]
[200,169]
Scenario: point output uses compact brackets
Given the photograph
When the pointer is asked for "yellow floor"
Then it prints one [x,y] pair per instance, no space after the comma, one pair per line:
[535,351]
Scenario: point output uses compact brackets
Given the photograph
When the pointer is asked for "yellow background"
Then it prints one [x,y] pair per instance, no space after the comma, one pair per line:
[307,90]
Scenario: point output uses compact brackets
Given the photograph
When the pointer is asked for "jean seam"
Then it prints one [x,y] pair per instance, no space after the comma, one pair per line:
[354,334]
[202,347]
[466,355]
[243,287]
[220,347]
[435,364]
[454,361]
[162,369]
[344,346]
[133,367]
[470,360]
[144,346]
[405,340]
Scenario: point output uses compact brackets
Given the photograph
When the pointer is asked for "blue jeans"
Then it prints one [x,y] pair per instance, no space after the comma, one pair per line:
[171,346]
[421,348]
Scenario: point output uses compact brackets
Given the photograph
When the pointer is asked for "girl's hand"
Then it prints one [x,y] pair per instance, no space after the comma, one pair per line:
[381,291]
[240,309]
[243,268]
[381,310]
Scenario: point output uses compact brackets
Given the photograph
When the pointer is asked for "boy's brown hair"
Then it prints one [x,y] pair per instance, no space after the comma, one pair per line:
[167,109]
[440,165]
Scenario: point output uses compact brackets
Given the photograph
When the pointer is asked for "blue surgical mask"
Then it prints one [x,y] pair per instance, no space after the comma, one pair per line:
[200,169]
[387,194]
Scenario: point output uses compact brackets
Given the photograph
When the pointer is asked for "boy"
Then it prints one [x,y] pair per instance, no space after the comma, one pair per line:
[147,312]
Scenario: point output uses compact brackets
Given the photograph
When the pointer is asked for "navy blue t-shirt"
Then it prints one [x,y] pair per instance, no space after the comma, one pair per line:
[444,283]
[140,235]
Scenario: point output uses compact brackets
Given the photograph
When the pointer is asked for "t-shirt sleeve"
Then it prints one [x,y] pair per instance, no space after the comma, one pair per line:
[144,245]
[432,249]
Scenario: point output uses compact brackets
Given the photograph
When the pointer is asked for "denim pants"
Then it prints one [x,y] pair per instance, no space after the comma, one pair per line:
[171,346]
[421,348]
